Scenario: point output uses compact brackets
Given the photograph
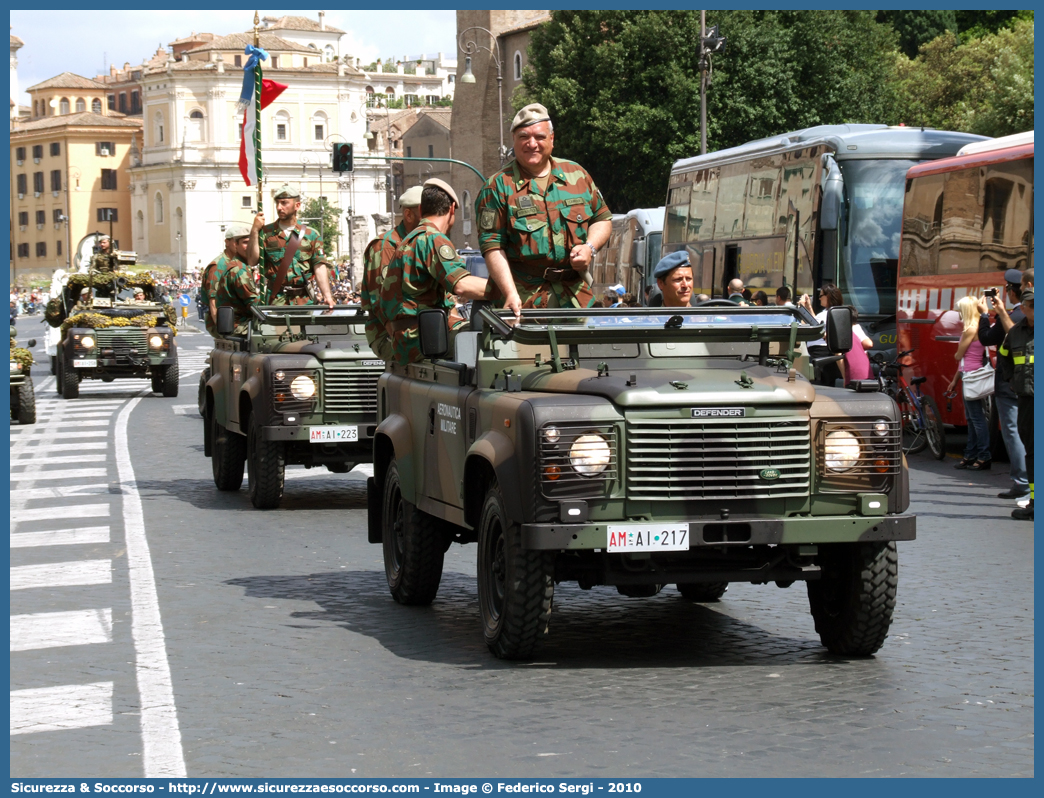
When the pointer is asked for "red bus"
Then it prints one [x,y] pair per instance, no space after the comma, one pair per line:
[966,220]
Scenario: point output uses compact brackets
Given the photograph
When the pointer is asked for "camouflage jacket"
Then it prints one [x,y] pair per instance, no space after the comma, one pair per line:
[273,240]
[104,262]
[537,230]
[423,274]
[235,287]
[378,255]
[208,286]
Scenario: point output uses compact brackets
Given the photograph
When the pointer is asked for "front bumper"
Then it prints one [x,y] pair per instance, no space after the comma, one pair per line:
[300,433]
[734,532]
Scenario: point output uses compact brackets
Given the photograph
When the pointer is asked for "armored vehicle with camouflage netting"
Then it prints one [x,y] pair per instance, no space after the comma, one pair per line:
[639,448]
[23,396]
[112,326]
[299,387]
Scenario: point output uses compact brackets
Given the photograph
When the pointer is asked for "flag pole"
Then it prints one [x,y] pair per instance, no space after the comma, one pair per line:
[257,116]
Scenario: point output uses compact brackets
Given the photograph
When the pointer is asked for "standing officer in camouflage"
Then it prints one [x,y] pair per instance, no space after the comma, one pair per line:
[426,272]
[378,255]
[541,220]
[289,254]
[104,260]
[238,290]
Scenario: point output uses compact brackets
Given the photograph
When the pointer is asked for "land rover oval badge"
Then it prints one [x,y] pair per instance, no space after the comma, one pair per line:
[769,473]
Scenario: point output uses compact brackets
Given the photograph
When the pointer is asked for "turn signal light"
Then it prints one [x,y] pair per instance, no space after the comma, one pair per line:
[881,466]
[552,472]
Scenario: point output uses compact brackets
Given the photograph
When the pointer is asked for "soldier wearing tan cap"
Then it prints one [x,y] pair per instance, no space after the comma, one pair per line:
[376,257]
[289,253]
[541,220]
[215,275]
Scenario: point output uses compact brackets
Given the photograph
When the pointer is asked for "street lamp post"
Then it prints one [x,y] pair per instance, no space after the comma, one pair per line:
[711,42]
[469,48]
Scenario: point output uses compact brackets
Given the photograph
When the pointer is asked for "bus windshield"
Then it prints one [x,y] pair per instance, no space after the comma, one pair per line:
[870,230]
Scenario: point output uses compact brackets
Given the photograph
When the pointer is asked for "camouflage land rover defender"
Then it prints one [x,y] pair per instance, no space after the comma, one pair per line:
[639,448]
[113,327]
[300,387]
[23,397]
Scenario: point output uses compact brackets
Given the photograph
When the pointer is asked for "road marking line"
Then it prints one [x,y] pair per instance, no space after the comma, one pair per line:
[61,574]
[56,629]
[22,495]
[62,473]
[161,736]
[72,458]
[24,442]
[47,415]
[60,537]
[72,424]
[71,513]
[185,410]
[32,451]
[68,706]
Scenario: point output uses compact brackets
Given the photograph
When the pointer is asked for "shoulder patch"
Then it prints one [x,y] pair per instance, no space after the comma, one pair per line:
[486,220]
[446,252]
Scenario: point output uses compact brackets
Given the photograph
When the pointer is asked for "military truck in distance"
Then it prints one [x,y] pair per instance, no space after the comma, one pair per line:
[300,387]
[113,335]
[639,447]
[23,396]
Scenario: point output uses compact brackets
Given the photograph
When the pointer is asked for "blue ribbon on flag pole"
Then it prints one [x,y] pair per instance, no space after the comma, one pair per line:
[256,54]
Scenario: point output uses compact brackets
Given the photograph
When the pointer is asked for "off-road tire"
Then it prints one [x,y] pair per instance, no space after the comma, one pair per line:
[70,383]
[515,586]
[201,394]
[266,469]
[26,402]
[171,378]
[702,591]
[413,543]
[228,456]
[157,381]
[54,365]
[935,433]
[853,601]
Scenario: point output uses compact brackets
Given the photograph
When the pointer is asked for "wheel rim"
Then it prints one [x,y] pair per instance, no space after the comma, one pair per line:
[494,571]
[395,547]
[251,462]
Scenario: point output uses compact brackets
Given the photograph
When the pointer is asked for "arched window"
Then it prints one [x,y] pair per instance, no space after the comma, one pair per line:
[157,210]
[157,127]
[96,106]
[63,105]
[319,126]
[194,131]
[329,51]
[390,93]
[518,65]
[81,106]
[370,97]
[282,127]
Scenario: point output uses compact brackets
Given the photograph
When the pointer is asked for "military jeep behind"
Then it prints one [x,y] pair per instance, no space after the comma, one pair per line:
[108,334]
[23,396]
[639,448]
[300,387]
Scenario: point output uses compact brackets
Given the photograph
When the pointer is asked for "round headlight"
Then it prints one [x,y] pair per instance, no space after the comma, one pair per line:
[841,451]
[87,342]
[302,387]
[15,367]
[880,427]
[589,455]
[156,341]
[551,435]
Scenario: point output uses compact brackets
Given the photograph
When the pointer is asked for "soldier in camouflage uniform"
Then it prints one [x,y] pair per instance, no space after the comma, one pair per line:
[543,219]
[269,244]
[241,292]
[104,261]
[425,273]
[378,255]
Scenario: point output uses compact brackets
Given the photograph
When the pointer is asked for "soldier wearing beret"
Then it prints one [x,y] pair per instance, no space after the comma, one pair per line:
[376,258]
[674,279]
[541,221]
[104,260]
[299,245]
[228,280]
[426,272]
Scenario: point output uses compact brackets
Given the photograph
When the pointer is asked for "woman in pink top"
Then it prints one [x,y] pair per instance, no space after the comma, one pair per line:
[856,365]
[972,355]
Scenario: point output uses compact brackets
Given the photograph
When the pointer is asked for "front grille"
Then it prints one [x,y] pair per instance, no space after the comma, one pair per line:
[352,390]
[283,399]
[558,478]
[880,456]
[121,340]
[696,459]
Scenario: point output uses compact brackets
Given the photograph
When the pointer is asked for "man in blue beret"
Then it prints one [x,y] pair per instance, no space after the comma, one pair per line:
[674,278]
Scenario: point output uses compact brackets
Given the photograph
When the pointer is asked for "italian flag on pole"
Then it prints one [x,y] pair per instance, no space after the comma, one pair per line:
[258,93]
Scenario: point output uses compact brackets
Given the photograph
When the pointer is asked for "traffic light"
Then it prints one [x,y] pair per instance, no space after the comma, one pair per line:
[342,158]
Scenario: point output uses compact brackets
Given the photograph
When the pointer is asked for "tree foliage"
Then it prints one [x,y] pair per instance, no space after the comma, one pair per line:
[976,24]
[983,86]
[312,210]
[915,28]
[623,86]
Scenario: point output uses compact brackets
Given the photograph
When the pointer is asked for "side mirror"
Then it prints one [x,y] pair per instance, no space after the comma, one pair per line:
[226,320]
[433,330]
[833,196]
[839,329]
[31,343]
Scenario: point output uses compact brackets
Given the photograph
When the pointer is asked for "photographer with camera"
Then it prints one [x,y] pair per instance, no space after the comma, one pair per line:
[1015,357]
[1004,397]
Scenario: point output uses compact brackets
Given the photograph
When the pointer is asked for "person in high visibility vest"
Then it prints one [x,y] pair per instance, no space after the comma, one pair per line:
[1015,357]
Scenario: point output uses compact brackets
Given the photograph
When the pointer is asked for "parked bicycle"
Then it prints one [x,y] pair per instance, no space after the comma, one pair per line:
[922,425]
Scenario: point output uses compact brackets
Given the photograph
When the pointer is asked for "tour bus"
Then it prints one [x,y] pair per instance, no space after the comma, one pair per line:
[631,253]
[966,220]
[835,190]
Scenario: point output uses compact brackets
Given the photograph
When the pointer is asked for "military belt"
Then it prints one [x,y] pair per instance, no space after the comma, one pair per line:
[293,290]
[550,273]
[398,325]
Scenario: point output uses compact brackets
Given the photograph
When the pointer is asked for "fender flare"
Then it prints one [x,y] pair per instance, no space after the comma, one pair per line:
[395,429]
[498,452]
